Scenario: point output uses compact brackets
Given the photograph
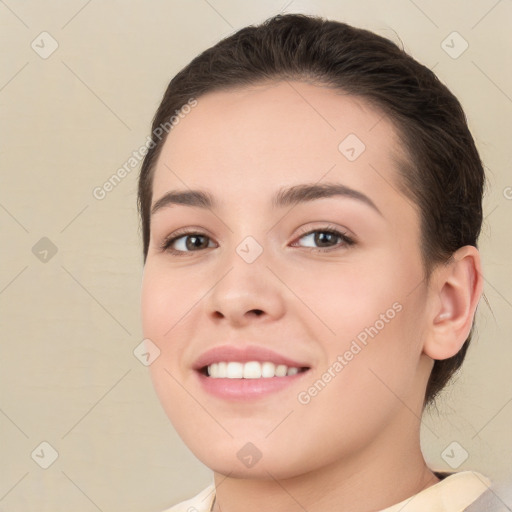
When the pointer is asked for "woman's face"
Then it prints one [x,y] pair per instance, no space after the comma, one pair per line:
[328,289]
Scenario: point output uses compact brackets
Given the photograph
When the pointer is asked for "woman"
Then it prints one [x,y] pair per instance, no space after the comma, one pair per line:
[310,204]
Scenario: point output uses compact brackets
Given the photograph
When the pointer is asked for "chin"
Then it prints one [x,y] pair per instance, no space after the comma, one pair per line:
[258,461]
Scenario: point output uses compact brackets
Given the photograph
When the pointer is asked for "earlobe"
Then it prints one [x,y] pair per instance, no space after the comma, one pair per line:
[455,292]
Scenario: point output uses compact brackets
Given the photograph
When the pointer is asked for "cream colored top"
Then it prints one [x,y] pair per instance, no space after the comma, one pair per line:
[454,493]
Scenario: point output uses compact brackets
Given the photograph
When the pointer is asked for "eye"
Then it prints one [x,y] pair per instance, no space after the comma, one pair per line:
[326,239]
[185,241]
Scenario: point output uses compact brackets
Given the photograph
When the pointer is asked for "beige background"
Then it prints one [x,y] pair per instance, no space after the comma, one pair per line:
[70,324]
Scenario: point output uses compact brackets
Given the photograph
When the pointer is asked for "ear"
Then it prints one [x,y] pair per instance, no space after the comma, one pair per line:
[454,293]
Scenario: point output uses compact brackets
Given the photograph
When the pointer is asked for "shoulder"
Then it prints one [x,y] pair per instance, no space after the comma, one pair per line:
[465,491]
[201,502]
[474,491]
[488,501]
[469,490]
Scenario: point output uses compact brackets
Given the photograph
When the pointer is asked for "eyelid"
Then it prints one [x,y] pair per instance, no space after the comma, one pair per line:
[325,227]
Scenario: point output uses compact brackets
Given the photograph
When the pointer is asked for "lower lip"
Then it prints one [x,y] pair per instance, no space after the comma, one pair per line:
[246,389]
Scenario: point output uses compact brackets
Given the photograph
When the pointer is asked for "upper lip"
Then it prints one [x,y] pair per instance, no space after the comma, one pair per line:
[243,355]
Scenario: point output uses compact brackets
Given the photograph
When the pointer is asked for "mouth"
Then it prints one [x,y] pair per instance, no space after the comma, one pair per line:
[235,373]
[250,370]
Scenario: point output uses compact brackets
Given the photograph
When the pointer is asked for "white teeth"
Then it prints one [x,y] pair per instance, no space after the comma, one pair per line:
[249,370]
[222,370]
[281,370]
[234,370]
[268,370]
[213,369]
[252,370]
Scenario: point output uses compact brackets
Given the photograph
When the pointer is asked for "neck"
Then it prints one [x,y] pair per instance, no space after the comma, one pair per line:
[390,470]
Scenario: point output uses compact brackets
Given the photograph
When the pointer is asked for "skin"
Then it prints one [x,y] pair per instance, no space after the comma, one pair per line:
[356,442]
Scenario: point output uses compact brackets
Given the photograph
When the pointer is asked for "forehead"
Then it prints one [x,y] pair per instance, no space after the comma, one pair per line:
[254,139]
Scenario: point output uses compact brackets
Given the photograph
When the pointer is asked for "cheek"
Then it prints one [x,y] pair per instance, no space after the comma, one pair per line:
[153,304]
[347,299]
[162,307]
[363,387]
[170,303]
[371,327]
[165,302]
[381,372]
[165,298]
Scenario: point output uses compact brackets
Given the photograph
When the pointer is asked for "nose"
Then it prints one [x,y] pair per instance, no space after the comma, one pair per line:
[246,293]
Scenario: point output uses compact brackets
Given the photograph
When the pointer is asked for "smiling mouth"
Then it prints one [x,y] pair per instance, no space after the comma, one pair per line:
[249,370]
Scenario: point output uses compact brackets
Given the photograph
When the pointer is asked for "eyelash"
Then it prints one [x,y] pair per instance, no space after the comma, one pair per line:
[169,240]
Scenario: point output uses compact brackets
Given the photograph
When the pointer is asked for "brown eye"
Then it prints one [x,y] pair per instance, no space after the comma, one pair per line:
[325,239]
[189,242]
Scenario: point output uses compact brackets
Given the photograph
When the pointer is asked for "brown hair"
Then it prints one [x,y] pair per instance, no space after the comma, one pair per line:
[443,174]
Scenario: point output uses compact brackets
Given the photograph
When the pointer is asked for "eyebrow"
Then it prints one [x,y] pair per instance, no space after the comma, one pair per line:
[291,196]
